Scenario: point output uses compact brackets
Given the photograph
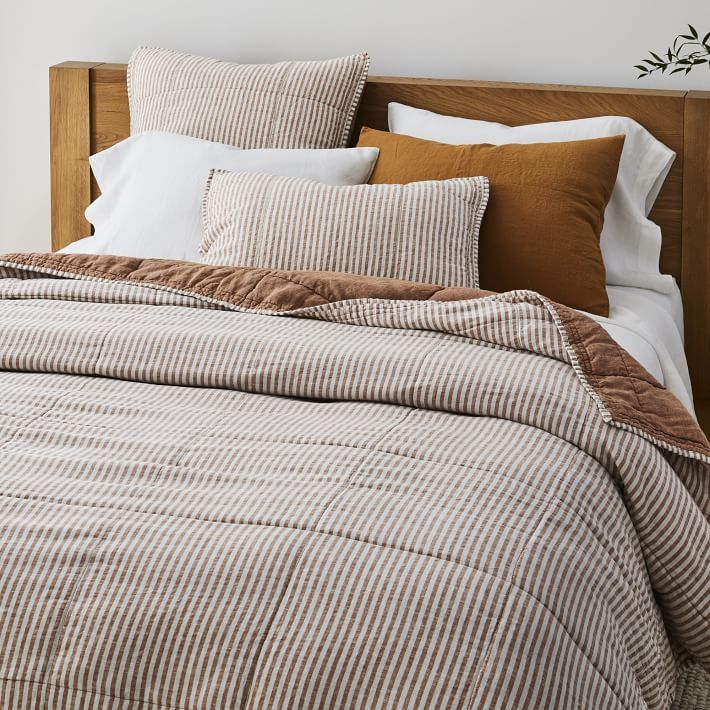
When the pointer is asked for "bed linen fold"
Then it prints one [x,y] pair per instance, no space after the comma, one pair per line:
[390,495]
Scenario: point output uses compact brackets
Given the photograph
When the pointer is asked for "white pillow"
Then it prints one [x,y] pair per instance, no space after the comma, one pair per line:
[630,242]
[152,186]
[87,245]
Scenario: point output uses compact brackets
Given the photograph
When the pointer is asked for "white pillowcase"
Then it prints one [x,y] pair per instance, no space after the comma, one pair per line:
[87,245]
[630,242]
[152,186]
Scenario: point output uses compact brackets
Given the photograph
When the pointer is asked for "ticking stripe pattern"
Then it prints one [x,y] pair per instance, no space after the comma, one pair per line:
[283,105]
[175,536]
[424,231]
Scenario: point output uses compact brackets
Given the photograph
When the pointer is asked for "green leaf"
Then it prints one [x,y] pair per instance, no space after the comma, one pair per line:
[640,67]
[687,37]
[675,71]
[706,38]
[656,57]
[693,31]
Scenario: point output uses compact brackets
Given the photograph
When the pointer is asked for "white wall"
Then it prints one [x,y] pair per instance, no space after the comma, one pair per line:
[561,41]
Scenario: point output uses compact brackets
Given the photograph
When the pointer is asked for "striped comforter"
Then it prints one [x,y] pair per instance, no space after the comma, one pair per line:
[226,488]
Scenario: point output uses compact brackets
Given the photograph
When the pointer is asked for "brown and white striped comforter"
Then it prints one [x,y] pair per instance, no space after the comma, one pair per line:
[402,497]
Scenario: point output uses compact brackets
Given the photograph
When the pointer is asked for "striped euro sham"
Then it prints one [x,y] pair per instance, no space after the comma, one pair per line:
[283,105]
[424,231]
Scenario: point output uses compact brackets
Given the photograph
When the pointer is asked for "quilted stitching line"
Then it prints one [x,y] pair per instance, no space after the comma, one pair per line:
[279,94]
[85,691]
[544,515]
[312,529]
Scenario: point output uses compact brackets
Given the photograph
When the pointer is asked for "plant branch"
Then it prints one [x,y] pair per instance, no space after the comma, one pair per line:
[688,51]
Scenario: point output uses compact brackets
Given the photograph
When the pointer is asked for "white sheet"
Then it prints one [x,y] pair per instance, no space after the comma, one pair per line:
[649,325]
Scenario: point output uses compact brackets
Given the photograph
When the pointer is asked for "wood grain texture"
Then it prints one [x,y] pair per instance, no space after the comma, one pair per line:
[680,120]
[70,147]
[109,115]
[702,409]
[696,240]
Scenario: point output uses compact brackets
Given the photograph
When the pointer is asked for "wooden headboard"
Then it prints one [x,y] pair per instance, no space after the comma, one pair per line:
[89,112]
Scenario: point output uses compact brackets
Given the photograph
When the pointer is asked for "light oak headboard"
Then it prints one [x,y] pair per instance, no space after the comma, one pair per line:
[89,112]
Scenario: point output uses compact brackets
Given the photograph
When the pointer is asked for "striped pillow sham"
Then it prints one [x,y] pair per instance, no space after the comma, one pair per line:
[283,105]
[423,231]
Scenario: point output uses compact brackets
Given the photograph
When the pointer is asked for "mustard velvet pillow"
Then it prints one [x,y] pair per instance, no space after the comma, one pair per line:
[545,212]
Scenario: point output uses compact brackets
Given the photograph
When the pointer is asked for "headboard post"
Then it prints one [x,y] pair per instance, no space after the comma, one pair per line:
[696,239]
[69,147]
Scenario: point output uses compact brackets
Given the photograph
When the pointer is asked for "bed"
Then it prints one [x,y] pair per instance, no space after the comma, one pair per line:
[243,487]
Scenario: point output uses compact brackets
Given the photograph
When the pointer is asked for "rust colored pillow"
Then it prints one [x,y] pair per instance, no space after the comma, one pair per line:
[545,212]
